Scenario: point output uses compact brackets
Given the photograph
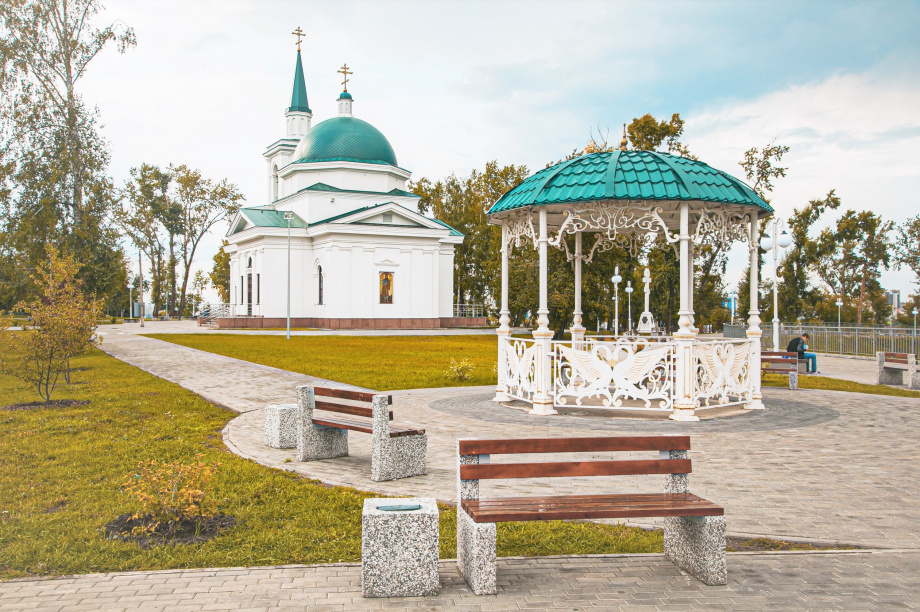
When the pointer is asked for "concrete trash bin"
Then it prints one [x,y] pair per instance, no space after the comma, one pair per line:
[399,548]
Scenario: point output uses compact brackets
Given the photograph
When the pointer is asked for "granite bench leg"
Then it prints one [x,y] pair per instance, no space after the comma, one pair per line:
[400,457]
[281,425]
[314,443]
[476,553]
[887,376]
[794,380]
[697,546]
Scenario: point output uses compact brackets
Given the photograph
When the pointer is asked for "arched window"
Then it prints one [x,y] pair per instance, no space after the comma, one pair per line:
[274,183]
[319,274]
[249,263]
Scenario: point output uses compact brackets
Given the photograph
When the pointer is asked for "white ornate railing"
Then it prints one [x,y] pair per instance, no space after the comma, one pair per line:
[609,372]
[723,372]
[469,310]
[520,368]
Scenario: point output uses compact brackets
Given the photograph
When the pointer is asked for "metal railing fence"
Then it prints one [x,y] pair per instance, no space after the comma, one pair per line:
[865,341]
[469,310]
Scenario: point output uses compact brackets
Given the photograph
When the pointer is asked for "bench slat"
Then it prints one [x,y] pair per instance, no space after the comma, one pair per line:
[558,469]
[574,445]
[362,426]
[358,396]
[346,409]
[589,507]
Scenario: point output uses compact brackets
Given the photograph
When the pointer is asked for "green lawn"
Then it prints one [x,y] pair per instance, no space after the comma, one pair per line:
[62,468]
[835,384]
[382,363]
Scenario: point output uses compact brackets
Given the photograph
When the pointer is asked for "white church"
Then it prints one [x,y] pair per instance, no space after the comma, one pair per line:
[361,256]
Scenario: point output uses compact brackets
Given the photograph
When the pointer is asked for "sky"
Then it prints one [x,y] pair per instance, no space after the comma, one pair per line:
[454,85]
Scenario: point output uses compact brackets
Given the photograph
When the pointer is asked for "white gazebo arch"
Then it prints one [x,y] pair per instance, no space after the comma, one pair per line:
[629,198]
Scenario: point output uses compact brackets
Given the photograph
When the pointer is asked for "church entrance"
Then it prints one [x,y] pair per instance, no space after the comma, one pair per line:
[249,294]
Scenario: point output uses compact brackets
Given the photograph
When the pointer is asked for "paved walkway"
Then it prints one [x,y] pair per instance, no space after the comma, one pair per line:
[763,581]
[191,327]
[824,466]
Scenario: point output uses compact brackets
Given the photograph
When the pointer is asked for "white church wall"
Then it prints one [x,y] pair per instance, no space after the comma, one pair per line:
[446,282]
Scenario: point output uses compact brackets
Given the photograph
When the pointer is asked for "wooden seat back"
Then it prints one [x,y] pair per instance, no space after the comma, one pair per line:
[556,469]
[779,360]
[334,400]
[896,358]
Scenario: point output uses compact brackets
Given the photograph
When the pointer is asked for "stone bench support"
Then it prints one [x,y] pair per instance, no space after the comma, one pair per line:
[897,373]
[281,425]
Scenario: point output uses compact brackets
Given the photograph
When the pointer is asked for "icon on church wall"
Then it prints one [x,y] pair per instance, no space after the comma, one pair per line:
[386,287]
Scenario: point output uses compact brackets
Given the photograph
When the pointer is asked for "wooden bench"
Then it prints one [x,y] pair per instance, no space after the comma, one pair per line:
[894,368]
[782,362]
[396,452]
[694,530]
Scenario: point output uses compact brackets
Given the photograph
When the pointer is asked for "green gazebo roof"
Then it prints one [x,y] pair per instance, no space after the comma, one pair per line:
[629,175]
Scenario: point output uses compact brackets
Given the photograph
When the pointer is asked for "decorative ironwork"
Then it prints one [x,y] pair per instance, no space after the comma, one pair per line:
[723,372]
[612,219]
[610,372]
[520,226]
[521,368]
[721,226]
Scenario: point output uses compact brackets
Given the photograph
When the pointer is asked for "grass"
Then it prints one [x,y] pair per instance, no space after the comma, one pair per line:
[63,467]
[382,363]
[835,384]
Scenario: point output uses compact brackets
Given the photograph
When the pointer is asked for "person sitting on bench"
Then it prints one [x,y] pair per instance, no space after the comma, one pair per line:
[800,345]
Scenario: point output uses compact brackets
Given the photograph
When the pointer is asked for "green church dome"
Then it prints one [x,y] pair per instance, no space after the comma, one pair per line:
[345,139]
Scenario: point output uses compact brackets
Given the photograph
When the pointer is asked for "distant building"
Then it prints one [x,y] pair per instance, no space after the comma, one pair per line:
[894,300]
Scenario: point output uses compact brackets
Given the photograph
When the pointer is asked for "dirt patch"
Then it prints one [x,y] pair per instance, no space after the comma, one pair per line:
[766,544]
[53,404]
[190,531]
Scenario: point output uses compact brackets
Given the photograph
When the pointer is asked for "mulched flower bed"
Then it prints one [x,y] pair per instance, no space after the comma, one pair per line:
[64,403]
[188,531]
[735,544]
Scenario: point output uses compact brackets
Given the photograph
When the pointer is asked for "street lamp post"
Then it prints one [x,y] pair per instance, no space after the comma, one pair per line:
[140,287]
[839,304]
[130,301]
[629,291]
[287,217]
[914,311]
[777,238]
[733,296]
[616,280]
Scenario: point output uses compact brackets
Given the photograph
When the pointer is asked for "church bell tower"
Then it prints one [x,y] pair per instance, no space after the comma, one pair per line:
[298,115]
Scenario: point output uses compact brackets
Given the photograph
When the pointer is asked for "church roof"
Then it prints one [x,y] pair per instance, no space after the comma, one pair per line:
[629,175]
[325,187]
[299,101]
[345,139]
[269,217]
[353,212]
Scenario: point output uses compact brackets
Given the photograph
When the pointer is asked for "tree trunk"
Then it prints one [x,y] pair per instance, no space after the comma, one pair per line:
[862,293]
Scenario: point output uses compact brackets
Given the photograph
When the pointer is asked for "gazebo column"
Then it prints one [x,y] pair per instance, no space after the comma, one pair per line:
[543,396]
[753,331]
[504,327]
[578,330]
[684,338]
[691,286]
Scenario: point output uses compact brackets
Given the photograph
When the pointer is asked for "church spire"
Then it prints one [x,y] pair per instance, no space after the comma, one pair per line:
[298,115]
[299,94]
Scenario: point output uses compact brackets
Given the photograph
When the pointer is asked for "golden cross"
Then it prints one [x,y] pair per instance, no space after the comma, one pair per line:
[344,72]
[298,33]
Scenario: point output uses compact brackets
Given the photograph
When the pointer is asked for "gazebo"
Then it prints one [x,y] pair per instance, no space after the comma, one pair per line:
[629,199]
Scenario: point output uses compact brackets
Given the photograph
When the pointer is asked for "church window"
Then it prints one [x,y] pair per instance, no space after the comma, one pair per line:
[249,263]
[258,289]
[319,273]
[274,183]
[388,217]
[386,287]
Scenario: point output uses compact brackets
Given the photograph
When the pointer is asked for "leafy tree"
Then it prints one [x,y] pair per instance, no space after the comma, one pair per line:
[850,257]
[202,204]
[647,133]
[52,158]
[907,243]
[220,273]
[463,203]
[796,294]
[62,324]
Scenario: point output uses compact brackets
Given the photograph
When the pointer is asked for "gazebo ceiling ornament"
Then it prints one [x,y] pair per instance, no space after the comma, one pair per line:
[721,226]
[520,226]
[613,219]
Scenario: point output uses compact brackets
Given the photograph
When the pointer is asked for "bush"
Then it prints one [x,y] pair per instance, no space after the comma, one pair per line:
[172,492]
[460,371]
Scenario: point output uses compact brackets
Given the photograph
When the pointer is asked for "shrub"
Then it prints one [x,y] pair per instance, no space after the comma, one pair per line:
[460,371]
[172,492]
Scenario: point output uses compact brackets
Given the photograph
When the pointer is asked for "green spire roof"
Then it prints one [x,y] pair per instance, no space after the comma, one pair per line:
[299,95]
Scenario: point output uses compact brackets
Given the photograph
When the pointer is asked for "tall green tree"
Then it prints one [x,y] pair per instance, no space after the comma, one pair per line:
[220,272]
[907,247]
[52,158]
